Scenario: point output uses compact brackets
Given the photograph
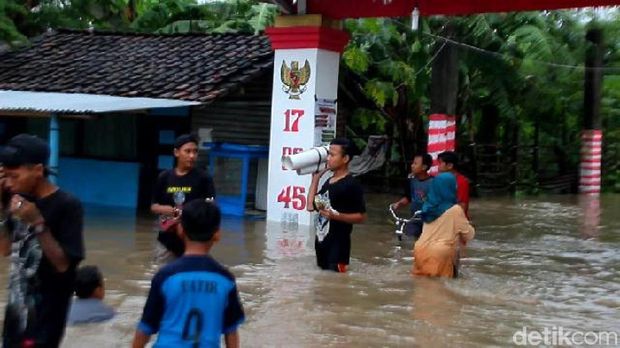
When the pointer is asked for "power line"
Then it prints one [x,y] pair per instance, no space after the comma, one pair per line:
[501,55]
[505,56]
[432,59]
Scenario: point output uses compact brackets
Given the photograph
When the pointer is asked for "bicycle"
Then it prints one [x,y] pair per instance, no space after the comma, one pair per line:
[401,222]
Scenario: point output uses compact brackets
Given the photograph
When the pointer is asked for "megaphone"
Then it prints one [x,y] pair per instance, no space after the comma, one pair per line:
[307,162]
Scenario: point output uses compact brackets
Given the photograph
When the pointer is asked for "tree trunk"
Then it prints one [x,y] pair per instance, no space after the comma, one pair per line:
[514,157]
[536,150]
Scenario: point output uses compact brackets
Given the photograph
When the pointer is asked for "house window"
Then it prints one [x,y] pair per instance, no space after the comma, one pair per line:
[40,127]
[110,137]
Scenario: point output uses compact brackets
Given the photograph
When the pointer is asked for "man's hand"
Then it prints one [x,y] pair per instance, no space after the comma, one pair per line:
[319,174]
[232,340]
[328,213]
[325,213]
[5,242]
[2,183]
[165,210]
[314,185]
[140,339]
[29,214]
[24,210]
[400,203]
[170,224]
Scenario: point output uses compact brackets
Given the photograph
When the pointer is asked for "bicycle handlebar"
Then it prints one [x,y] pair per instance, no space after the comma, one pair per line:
[416,215]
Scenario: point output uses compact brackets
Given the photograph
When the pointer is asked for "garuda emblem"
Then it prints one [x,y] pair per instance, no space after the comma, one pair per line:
[294,79]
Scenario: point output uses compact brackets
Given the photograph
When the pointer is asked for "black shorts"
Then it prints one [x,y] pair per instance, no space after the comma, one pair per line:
[414,229]
[172,242]
[333,253]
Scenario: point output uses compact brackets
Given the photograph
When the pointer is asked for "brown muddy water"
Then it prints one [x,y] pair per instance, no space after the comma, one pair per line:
[534,263]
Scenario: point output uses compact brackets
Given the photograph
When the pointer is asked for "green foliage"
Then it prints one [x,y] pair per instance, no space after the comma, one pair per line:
[357,59]
[389,62]
[160,14]
[529,68]
[611,161]
[369,120]
[186,16]
[610,109]
[522,68]
[388,51]
[17,21]
[9,32]
[381,92]
[263,16]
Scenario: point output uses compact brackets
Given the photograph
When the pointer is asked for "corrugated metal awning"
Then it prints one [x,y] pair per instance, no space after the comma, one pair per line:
[76,103]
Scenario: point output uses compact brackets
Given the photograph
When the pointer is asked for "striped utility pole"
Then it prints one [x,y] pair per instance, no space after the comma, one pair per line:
[592,136]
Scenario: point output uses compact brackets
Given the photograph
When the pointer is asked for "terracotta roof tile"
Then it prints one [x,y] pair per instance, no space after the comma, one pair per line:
[196,67]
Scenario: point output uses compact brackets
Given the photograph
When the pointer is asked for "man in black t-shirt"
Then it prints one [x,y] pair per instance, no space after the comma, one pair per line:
[340,204]
[175,186]
[42,233]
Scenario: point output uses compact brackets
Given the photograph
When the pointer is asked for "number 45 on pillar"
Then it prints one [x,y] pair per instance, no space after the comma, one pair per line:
[293,195]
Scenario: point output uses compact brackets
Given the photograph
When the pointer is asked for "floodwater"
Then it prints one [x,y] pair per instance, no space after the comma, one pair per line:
[534,263]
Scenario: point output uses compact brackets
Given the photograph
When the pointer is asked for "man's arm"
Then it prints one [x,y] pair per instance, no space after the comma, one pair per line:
[464,205]
[233,317]
[152,313]
[140,339]
[314,186]
[351,218]
[30,214]
[160,209]
[159,193]
[406,198]
[5,242]
[230,339]
[400,203]
[53,251]
[209,186]
[356,209]
[464,228]
[462,192]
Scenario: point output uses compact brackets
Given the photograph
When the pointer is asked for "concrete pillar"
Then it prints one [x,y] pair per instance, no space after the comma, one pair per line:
[305,85]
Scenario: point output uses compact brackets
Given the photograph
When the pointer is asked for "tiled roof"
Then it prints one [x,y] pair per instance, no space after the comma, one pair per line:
[196,67]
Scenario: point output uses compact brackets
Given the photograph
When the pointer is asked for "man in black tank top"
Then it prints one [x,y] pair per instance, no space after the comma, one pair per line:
[340,203]
[175,186]
[41,232]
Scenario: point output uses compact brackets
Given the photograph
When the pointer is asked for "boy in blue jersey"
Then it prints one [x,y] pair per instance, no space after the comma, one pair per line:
[416,188]
[193,300]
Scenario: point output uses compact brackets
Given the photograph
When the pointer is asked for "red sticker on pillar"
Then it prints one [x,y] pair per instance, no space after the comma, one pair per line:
[324,121]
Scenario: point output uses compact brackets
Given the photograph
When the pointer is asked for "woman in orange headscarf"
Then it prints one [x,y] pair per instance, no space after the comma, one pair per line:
[445,228]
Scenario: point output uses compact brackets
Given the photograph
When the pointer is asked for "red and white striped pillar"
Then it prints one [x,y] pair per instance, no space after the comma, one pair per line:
[591,222]
[591,155]
[441,137]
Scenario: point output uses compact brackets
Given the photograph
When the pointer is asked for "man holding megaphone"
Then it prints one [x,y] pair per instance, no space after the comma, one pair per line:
[340,204]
